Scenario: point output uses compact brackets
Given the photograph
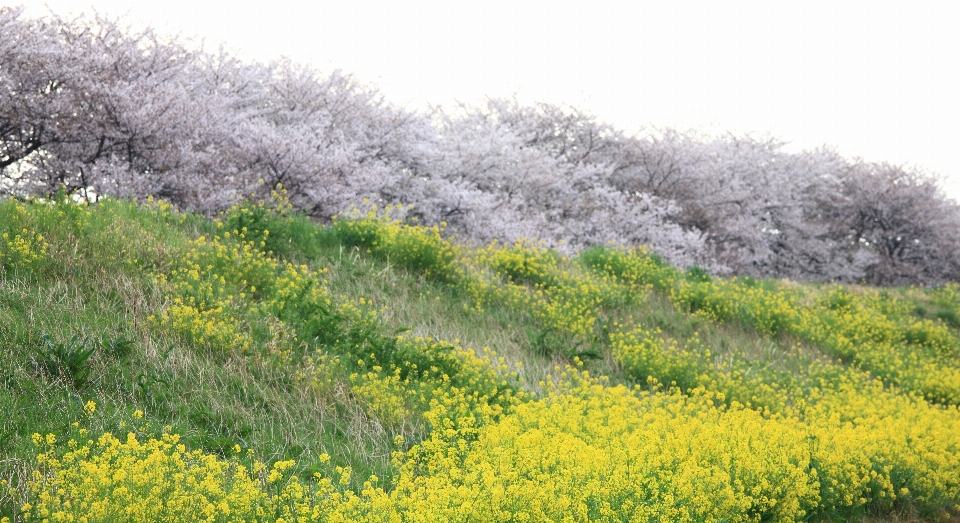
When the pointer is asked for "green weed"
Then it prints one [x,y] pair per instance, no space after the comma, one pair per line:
[65,360]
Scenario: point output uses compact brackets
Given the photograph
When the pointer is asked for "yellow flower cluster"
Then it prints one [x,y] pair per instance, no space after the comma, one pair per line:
[872,441]
[384,396]
[880,338]
[400,383]
[158,479]
[869,328]
[21,250]
[527,276]
[413,247]
[208,327]
[523,262]
[589,452]
[159,207]
[634,266]
[109,479]
[222,281]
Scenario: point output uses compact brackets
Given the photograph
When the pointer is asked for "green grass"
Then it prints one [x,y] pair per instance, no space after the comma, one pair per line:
[95,287]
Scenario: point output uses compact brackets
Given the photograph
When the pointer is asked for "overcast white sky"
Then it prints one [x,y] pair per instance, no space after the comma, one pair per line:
[879,80]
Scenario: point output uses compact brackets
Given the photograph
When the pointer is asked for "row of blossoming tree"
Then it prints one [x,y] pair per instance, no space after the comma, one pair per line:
[94,106]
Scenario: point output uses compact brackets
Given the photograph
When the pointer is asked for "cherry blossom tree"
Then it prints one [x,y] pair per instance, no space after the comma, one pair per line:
[900,215]
[94,106]
[551,166]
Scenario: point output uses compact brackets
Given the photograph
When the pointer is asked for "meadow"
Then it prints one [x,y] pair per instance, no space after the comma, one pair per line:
[255,365]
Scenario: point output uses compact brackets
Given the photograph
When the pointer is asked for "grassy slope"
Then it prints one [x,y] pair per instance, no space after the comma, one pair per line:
[96,281]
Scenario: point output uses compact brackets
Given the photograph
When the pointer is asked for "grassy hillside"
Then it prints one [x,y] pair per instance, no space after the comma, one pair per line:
[257,366]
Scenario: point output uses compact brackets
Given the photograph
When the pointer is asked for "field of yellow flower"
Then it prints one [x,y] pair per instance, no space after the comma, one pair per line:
[164,366]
